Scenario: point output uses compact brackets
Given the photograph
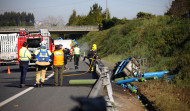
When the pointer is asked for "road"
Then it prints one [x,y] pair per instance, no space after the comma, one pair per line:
[48,98]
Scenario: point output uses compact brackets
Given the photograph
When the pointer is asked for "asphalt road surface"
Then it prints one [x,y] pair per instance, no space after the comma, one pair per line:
[48,98]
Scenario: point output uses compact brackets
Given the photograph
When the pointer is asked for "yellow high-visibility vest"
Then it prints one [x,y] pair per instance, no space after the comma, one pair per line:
[76,51]
[24,54]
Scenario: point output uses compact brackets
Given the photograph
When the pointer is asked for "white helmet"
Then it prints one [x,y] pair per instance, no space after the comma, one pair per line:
[43,44]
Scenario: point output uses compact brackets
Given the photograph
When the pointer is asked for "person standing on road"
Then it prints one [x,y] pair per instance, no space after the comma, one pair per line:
[66,55]
[92,56]
[58,61]
[42,62]
[71,54]
[24,57]
[76,52]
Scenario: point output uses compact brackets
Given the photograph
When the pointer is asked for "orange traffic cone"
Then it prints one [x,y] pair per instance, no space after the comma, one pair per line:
[9,72]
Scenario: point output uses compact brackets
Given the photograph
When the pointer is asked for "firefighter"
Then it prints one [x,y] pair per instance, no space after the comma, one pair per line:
[58,61]
[71,54]
[92,55]
[43,60]
[76,52]
[24,57]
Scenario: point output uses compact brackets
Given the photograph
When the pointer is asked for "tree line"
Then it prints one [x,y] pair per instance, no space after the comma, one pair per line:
[96,16]
[17,19]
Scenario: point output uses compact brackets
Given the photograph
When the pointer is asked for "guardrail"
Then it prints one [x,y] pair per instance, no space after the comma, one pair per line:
[103,85]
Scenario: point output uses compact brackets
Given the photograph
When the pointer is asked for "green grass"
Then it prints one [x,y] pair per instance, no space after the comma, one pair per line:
[164,41]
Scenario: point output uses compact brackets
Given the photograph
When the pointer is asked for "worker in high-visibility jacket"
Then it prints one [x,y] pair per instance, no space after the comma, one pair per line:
[24,57]
[42,62]
[58,62]
[76,52]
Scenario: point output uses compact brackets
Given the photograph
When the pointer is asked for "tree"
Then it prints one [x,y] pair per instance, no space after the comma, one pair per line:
[94,17]
[179,8]
[107,23]
[95,14]
[144,15]
[73,18]
[16,19]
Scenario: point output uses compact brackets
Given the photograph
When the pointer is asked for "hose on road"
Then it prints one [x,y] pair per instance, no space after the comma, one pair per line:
[80,73]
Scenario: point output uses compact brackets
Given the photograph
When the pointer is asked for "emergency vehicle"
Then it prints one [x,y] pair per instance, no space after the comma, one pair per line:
[66,44]
[34,40]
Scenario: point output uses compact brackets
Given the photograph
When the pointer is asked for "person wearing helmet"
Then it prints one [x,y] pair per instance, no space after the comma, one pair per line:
[92,54]
[42,56]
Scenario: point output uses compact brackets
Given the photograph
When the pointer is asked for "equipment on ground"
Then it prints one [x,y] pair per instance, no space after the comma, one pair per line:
[82,82]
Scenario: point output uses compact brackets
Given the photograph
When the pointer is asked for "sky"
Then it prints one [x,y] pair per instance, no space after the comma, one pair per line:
[64,8]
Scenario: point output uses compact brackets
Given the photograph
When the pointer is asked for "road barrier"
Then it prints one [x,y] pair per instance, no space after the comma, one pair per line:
[103,85]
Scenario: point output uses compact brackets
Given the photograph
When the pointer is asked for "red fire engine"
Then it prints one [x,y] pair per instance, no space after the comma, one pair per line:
[34,40]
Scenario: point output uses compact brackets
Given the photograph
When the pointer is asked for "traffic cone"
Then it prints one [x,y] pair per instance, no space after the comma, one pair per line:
[9,72]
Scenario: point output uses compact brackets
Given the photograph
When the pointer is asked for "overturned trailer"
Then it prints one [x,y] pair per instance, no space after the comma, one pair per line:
[128,67]
[8,48]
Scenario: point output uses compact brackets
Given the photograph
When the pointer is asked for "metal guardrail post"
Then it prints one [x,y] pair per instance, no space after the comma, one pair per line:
[103,85]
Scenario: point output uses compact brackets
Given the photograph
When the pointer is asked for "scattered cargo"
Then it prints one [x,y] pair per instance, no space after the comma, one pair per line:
[129,70]
[128,67]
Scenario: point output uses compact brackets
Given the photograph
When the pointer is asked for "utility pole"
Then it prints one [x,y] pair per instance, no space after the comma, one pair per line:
[106,9]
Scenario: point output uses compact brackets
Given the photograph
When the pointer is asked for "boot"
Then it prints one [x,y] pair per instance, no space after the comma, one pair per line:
[75,67]
[92,69]
[42,84]
[37,85]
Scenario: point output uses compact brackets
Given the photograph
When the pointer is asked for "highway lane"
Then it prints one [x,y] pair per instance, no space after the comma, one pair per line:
[47,98]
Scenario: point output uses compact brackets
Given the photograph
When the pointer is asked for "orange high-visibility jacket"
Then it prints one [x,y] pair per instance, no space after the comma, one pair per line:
[58,57]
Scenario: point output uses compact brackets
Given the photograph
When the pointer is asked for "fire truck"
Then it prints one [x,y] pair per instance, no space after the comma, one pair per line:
[34,40]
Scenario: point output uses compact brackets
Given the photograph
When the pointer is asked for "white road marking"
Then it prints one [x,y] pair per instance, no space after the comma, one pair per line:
[49,76]
[21,93]
[15,96]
